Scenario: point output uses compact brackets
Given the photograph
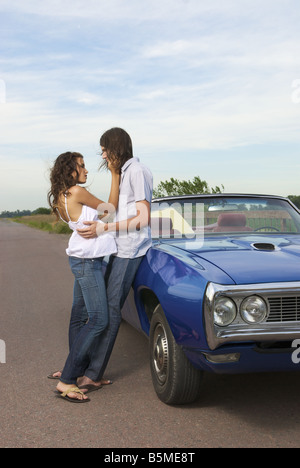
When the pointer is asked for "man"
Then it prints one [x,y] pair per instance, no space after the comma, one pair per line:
[133,237]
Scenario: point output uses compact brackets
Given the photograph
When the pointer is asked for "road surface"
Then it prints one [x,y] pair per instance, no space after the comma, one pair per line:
[260,410]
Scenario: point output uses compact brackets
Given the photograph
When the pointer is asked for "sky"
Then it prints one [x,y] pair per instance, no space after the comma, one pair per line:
[204,87]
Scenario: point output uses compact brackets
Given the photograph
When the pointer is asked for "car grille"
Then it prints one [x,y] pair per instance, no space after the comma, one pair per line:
[284,309]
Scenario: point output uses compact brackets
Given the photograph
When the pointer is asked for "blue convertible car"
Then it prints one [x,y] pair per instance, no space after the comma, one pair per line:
[219,291]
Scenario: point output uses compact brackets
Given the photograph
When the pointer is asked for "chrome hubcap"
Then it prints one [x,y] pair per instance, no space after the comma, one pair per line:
[160,353]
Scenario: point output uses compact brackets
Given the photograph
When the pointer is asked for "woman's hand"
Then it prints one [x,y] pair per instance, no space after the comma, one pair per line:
[110,166]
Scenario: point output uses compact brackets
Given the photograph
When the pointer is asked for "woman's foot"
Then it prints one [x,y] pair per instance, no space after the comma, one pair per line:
[71,393]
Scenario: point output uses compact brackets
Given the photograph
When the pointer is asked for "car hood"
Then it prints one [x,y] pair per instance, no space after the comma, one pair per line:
[250,259]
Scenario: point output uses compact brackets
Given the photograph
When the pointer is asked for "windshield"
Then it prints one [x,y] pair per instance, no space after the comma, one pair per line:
[191,217]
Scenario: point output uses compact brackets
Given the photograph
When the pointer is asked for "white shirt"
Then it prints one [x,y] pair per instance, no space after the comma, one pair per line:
[136,185]
[88,248]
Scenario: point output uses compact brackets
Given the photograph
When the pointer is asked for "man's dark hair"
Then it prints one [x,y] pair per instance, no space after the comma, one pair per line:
[118,145]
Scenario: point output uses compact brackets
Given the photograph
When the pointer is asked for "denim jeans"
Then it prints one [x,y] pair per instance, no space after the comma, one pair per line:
[119,277]
[89,317]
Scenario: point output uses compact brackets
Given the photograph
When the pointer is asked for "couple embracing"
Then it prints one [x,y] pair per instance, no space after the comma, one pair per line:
[98,300]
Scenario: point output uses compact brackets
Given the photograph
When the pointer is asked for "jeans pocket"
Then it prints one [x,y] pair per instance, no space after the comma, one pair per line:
[96,263]
[77,266]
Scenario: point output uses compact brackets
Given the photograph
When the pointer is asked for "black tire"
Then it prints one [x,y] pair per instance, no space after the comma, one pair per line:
[175,379]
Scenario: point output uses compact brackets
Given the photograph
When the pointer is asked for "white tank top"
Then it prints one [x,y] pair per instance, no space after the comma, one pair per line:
[88,248]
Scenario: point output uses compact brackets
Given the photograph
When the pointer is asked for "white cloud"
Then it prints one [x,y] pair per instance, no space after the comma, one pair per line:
[2,92]
[118,9]
[169,49]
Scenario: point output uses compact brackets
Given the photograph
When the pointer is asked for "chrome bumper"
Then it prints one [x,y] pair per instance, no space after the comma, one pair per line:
[239,331]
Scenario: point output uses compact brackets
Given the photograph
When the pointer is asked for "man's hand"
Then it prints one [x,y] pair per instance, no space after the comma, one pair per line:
[94,230]
[141,220]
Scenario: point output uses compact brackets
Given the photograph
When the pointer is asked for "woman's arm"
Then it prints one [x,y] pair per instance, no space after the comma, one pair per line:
[108,210]
[82,196]
[114,190]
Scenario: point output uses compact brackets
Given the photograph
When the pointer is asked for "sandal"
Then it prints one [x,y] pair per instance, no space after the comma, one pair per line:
[90,388]
[73,400]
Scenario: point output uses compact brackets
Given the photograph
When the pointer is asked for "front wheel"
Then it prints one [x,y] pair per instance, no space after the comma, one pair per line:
[175,380]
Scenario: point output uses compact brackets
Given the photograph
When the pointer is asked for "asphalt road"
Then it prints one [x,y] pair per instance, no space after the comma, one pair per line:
[258,410]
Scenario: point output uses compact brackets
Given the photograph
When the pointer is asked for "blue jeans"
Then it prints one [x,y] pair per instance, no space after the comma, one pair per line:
[119,277]
[89,317]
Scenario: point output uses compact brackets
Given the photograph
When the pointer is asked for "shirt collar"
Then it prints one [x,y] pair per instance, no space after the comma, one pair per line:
[128,163]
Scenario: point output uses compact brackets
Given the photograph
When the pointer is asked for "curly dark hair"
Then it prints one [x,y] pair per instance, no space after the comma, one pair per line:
[118,145]
[61,178]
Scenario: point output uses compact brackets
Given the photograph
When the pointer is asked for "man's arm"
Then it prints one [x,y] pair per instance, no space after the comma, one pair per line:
[138,222]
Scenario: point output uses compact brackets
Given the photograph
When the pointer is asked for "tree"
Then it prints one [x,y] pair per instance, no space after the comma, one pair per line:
[295,199]
[19,214]
[15,214]
[42,211]
[174,187]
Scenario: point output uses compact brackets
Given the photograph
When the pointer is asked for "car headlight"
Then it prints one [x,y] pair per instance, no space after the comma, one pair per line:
[254,309]
[225,311]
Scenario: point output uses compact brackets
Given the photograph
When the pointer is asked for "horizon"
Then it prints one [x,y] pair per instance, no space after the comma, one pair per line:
[168,197]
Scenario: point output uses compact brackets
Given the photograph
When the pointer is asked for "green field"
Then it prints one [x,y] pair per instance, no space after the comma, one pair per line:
[44,223]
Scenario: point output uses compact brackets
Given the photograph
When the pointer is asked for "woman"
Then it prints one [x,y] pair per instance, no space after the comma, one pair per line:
[89,318]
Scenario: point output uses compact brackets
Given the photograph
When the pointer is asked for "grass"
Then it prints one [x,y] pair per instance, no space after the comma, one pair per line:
[46,223]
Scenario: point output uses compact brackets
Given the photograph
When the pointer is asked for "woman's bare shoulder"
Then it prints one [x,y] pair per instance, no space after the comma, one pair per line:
[77,191]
